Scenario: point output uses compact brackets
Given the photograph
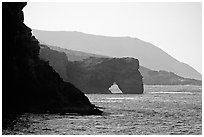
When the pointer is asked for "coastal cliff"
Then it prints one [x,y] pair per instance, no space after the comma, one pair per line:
[96,75]
[31,84]
[74,69]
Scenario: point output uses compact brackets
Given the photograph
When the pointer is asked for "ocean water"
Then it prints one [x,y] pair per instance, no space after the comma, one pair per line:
[161,110]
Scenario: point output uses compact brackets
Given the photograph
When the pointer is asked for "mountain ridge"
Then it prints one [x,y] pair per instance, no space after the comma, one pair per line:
[149,55]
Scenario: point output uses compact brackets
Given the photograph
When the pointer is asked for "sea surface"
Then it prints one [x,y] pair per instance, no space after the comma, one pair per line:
[161,110]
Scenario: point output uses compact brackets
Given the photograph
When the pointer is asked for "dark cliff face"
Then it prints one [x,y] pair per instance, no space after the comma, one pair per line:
[31,84]
[96,75]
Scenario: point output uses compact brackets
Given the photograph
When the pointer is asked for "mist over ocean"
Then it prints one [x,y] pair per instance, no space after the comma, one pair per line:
[160,110]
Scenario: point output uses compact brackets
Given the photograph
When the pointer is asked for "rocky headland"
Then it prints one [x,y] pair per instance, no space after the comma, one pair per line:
[96,73]
[29,83]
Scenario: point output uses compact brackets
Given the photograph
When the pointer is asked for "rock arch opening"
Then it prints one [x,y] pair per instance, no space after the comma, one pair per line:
[115,89]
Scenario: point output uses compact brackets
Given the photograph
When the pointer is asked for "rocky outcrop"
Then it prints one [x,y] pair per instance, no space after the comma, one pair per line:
[96,75]
[31,84]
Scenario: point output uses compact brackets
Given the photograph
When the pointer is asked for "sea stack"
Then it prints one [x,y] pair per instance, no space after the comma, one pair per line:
[96,75]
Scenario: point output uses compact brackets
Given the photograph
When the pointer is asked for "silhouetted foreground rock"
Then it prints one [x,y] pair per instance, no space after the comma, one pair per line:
[30,84]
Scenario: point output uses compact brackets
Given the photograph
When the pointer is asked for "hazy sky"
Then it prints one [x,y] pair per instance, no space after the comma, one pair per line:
[175,27]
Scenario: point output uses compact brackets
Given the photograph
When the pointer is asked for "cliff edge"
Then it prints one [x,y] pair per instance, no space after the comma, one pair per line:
[96,75]
[31,84]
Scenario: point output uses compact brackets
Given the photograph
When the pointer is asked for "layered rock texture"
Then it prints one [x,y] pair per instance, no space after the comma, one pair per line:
[31,84]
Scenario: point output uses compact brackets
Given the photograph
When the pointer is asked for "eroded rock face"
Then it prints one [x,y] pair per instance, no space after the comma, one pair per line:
[31,84]
[96,75]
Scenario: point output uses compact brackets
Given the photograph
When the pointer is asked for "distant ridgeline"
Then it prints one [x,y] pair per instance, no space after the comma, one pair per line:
[29,83]
[96,73]
[149,55]
[162,77]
